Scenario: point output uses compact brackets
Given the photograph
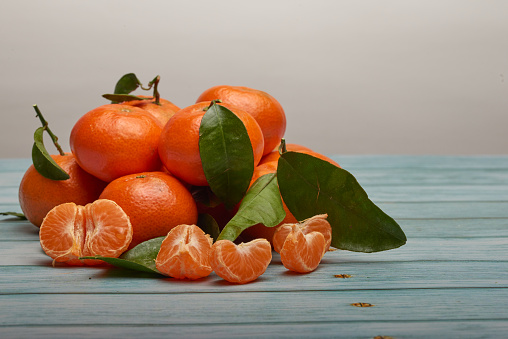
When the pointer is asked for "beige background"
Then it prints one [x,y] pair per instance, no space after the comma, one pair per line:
[355,77]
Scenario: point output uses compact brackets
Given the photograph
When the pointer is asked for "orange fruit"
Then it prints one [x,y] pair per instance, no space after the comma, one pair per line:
[162,112]
[260,230]
[38,195]
[241,263]
[262,106]
[301,248]
[317,223]
[179,142]
[274,156]
[70,231]
[115,140]
[185,253]
[154,201]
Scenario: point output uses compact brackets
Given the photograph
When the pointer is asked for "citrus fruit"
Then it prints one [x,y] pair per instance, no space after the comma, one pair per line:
[301,251]
[179,142]
[241,263]
[115,140]
[38,195]
[274,156]
[162,111]
[262,106]
[154,201]
[185,253]
[317,223]
[260,230]
[70,231]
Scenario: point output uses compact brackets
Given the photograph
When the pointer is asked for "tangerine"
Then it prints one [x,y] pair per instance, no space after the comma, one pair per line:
[38,194]
[162,111]
[185,253]
[260,230]
[115,140]
[241,263]
[301,252]
[155,202]
[179,142]
[267,111]
[317,223]
[71,231]
[274,156]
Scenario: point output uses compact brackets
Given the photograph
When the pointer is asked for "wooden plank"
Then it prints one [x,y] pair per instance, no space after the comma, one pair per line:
[14,229]
[306,330]
[255,307]
[363,276]
[418,249]
[427,176]
[387,194]
[479,162]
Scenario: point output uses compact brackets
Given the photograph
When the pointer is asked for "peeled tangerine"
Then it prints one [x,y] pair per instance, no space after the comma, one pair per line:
[240,263]
[71,231]
[303,245]
[184,253]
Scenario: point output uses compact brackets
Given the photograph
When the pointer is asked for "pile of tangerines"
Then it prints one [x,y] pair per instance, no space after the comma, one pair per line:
[131,171]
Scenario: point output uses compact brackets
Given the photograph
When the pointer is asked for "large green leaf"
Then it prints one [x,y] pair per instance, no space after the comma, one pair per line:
[226,154]
[262,204]
[140,258]
[43,162]
[311,186]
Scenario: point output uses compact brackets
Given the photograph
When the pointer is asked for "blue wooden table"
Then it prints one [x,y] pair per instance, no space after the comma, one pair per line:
[449,281]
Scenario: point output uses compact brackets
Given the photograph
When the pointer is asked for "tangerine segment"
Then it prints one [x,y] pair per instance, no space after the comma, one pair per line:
[185,253]
[240,263]
[302,253]
[70,231]
[317,223]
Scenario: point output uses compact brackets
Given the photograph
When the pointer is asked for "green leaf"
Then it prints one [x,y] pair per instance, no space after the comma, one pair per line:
[115,98]
[208,224]
[311,186]
[14,214]
[262,204]
[226,154]
[43,162]
[205,196]
[127,84]
[140,258]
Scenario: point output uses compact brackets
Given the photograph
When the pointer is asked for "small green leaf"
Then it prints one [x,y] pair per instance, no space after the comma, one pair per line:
[127,84]
[43,162]
[14,214]
[205,196]
[311,186]
[208,224]
[123,97]
[226,154]
[262,204]
[140,258]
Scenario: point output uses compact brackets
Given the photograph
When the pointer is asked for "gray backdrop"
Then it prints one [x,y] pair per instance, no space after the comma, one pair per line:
[355,77]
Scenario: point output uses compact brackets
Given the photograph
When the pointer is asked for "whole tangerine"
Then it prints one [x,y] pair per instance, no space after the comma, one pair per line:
[163,111]
[267,111]
[38,195]
[114,140]
[274,155]
[154,201]
[179,142]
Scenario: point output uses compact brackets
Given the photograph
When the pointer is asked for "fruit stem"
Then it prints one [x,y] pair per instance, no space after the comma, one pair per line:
[216,101]
[156,94]
[46,128]
[282,147]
